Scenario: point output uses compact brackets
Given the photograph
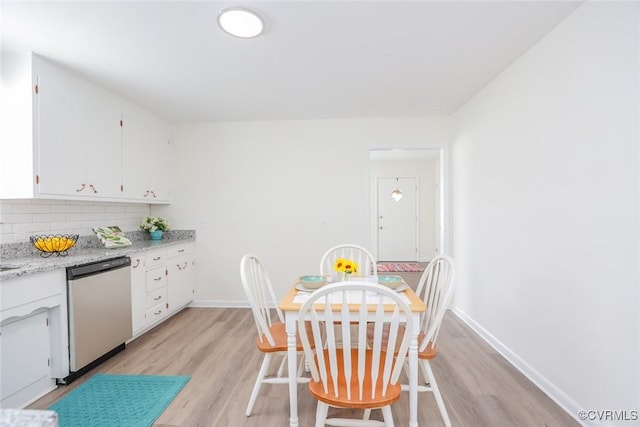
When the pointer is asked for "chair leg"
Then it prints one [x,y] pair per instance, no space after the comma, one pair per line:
[387,415]
[436,393]
[266,361]
[281,367]
[367,414]
[425,374]
[321,414]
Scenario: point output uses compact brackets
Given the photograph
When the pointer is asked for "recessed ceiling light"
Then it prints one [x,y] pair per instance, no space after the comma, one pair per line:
[240,22]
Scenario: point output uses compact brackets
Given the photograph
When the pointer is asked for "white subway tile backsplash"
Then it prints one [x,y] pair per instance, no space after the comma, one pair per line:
[92,208]
[29,208]
[46,202]
[63,208]
[20,219]
[37,227]
[48,217]
[12,218]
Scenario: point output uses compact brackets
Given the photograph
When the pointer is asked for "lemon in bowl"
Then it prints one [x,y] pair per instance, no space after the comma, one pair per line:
[57,244]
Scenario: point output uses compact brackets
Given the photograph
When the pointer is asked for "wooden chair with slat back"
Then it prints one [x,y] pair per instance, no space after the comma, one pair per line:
[269,320]
[365,375]
[435,288]
[364,258]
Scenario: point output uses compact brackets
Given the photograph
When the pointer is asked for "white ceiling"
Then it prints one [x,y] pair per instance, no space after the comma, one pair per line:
[317,59]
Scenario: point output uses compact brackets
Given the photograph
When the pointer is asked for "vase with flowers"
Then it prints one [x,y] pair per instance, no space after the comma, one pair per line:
[345,267]
[156,226]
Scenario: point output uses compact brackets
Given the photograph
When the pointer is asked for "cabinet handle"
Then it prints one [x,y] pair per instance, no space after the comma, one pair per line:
[156,258]
[182,268]
[137,263]
[158,298]
[157,312]
[180,250]
[158,278]
[93,188]
[146,194]
[81,188]
[153,194]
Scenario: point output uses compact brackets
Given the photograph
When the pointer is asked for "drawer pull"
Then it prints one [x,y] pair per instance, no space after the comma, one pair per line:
[137,263]
[180,250]
[157,258]
[93,188]
[82,188]
[158,278]
[182,268]
[158,298]
[157,312]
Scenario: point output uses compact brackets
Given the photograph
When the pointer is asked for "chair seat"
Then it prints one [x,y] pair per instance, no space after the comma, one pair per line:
[392,394]
[279,333]
[430,352]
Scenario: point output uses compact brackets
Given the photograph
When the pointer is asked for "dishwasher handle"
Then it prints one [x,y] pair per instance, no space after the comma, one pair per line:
[84,270]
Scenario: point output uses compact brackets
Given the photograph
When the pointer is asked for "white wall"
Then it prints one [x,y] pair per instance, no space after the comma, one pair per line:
[285,190]
[425,170]
[546,190]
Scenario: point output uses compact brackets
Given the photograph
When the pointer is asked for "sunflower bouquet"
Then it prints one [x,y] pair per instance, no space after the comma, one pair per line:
[345,266]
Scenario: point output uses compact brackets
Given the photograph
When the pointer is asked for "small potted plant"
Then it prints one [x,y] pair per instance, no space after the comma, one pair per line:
[155,226]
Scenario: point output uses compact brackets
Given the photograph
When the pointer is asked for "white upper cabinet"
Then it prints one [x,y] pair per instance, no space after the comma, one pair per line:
[146,157]
[78,134]
[73,139]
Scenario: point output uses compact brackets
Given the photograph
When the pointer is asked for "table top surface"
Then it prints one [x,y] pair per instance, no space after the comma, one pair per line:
[289,303]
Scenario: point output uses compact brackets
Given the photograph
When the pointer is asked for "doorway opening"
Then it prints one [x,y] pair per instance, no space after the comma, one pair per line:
[397,236]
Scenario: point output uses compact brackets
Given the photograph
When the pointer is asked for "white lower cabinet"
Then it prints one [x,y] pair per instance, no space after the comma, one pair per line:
[162,283]
[33,337]
[24,351]
[181,267]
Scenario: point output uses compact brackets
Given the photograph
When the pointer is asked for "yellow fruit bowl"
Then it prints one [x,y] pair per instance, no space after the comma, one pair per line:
[57,244]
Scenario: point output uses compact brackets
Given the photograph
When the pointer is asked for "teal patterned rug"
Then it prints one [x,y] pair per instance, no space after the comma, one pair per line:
[118,400]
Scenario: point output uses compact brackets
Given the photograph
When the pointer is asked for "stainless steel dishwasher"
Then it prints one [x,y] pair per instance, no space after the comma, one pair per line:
[99,301]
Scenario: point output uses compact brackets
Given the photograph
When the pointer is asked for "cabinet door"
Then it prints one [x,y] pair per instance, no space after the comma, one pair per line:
[60,162]
[78,135]
[180,281]
[145,144]
[24,351]
[138,293]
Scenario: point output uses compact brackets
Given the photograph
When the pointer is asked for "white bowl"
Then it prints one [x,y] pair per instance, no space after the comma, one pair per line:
[390,281]
[313,282]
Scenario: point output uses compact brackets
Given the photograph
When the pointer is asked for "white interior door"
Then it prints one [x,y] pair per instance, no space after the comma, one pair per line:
[397,220]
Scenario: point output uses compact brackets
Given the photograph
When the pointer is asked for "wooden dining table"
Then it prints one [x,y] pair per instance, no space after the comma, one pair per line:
[290,306]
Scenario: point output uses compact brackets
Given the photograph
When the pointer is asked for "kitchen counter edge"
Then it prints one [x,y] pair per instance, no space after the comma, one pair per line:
[32,264]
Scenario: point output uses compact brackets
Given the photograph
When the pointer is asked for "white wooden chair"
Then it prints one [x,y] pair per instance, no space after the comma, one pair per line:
[435,288]
[364,258]
[272,336]
[364,376]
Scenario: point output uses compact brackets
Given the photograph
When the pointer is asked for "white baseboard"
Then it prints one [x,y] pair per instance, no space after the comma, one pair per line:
[219,304]
[557,395]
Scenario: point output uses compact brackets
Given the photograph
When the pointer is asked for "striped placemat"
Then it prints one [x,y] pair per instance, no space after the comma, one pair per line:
[399,267]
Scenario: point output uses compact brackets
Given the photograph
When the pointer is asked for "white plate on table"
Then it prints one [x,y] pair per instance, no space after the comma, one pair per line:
[301,288]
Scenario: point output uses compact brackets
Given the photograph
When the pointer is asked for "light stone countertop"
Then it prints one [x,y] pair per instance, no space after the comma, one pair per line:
[34,263]
[28,418]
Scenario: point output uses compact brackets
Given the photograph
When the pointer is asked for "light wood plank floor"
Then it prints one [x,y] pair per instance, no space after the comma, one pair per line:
[215,346]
